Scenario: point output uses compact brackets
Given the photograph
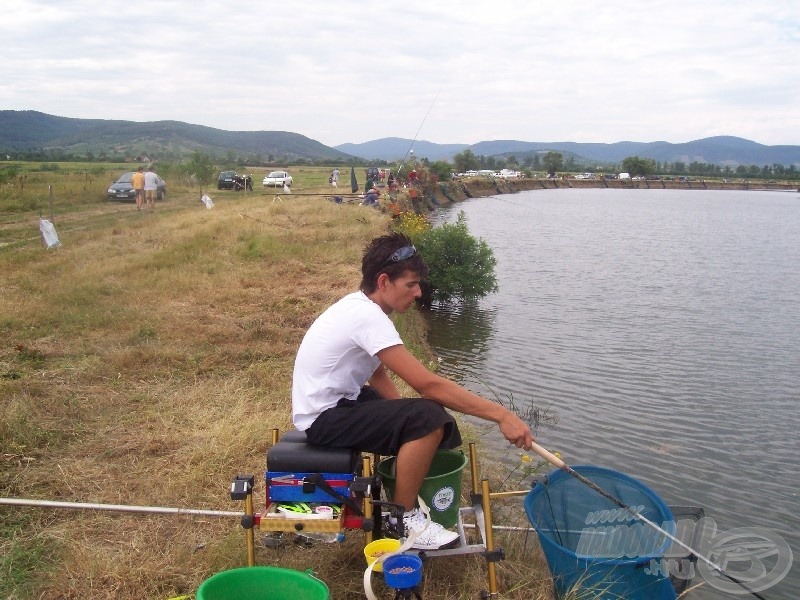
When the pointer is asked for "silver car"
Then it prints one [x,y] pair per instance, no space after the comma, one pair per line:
[278,179]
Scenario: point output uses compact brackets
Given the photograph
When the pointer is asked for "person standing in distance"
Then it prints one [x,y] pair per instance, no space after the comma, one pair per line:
[151,181]
[343,396]
[137,181]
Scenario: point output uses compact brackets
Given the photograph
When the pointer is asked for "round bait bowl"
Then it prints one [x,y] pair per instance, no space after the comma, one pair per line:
[262,583]
[402,571]
[378,548]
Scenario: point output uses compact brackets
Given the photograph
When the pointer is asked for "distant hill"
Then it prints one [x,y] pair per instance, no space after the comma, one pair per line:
[721,150]
[394,149]
[31,130]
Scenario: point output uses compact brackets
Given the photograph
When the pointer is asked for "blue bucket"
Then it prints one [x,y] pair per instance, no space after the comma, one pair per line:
[594,548]
[402,571]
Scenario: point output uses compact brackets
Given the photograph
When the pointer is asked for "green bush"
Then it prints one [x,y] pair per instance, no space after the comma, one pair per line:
[442,169]
[461,266]
[8,173]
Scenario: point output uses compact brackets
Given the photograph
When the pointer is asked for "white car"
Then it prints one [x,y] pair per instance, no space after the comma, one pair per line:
[278,179]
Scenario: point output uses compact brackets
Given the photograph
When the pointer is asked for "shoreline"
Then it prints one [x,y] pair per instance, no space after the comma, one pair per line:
[450,192]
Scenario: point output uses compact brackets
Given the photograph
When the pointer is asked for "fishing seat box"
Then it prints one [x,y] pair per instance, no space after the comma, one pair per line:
[292,461]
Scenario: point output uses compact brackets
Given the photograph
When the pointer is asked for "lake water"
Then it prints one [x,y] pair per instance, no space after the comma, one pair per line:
[663,328]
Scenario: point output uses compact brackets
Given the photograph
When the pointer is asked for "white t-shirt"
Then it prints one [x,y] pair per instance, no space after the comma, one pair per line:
[151,181]
[338,355]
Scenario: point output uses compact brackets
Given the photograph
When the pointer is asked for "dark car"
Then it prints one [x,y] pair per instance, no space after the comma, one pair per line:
[122,189]
[231,180]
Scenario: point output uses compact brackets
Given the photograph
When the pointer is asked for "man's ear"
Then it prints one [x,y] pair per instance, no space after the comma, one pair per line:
[382,280]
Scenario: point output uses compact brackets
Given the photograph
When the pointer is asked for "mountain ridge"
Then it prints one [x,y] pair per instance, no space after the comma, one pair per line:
[722,150]
[30,130]
[26,131]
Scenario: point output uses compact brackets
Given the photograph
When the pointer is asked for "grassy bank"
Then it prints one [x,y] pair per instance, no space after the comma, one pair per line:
[145,361]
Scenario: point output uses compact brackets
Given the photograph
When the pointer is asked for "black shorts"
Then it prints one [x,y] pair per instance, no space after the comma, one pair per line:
[373,424]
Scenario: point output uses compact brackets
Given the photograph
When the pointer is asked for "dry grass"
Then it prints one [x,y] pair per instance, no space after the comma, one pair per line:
[145,362]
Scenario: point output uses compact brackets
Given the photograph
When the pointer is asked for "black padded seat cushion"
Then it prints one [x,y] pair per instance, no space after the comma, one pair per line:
[293,454]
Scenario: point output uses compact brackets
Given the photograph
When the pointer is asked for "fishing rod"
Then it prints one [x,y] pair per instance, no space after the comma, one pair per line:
[504,200]
[279,192]
[403,162]
[557,462]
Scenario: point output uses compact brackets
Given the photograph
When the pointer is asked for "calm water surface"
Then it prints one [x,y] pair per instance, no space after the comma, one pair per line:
[663,327]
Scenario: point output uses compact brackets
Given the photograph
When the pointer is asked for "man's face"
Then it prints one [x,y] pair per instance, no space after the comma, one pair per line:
[400,294]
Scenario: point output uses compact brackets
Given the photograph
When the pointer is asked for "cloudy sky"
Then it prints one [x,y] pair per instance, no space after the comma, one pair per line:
[454,71]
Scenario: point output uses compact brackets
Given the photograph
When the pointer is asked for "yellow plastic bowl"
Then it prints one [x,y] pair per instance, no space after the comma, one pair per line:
[378,548]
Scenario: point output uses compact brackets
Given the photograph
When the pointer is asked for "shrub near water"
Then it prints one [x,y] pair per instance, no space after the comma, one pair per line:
[461,266]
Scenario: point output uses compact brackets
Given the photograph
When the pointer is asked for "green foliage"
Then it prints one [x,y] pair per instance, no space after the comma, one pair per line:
[636,165]
[442,169]
[412,224]
[23,556]
[466,161]
[8,172]
[461,266]
[201,167]
[553,162]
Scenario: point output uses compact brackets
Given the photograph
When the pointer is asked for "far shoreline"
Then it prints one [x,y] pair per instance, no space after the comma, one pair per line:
[432,195]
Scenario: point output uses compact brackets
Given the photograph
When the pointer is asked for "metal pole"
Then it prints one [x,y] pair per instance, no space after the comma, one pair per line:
[510,494]
[163,510]
[473,467]
[487,519]
[250,539]
[366,469]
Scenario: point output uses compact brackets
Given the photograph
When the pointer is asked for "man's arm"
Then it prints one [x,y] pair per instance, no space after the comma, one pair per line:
[383,384]
[453,396]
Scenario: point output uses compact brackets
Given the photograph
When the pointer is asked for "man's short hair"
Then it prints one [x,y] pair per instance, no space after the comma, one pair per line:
[377,259]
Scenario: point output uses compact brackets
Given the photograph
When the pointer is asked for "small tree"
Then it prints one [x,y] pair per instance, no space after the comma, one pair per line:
[461,266]
[552,162]
[200,168]
[636,165]
[442,169]
[465,161]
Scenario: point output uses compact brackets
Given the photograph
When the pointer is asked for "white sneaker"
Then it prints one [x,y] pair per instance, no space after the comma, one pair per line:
[432,537]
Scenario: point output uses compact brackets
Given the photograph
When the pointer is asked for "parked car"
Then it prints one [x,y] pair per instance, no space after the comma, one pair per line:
[278,179]
[122,189]
[231,180]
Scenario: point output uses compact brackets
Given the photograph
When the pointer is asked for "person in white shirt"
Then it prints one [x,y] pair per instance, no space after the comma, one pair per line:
[343,396]
[151,181]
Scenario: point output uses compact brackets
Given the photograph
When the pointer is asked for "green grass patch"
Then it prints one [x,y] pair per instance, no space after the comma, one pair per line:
[23,555]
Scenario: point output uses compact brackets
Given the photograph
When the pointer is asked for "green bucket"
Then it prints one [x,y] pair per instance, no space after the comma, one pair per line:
[262,583]
[441,488]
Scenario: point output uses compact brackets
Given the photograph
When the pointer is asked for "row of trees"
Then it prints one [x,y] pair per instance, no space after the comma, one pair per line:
[550,162]
[636,165]
[251,160]
[555,162]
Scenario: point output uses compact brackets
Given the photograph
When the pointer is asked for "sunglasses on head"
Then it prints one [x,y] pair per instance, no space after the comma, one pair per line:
[400,255]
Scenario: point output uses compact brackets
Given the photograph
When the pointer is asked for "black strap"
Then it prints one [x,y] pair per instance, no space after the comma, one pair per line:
[318,480]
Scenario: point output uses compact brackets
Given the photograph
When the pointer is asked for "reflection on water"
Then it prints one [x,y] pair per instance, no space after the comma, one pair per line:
[663,326]
[464,333]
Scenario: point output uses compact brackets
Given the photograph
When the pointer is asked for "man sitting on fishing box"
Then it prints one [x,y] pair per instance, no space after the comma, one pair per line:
[343,396]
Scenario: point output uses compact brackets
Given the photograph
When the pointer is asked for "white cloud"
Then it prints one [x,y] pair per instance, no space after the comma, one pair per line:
[352,71]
